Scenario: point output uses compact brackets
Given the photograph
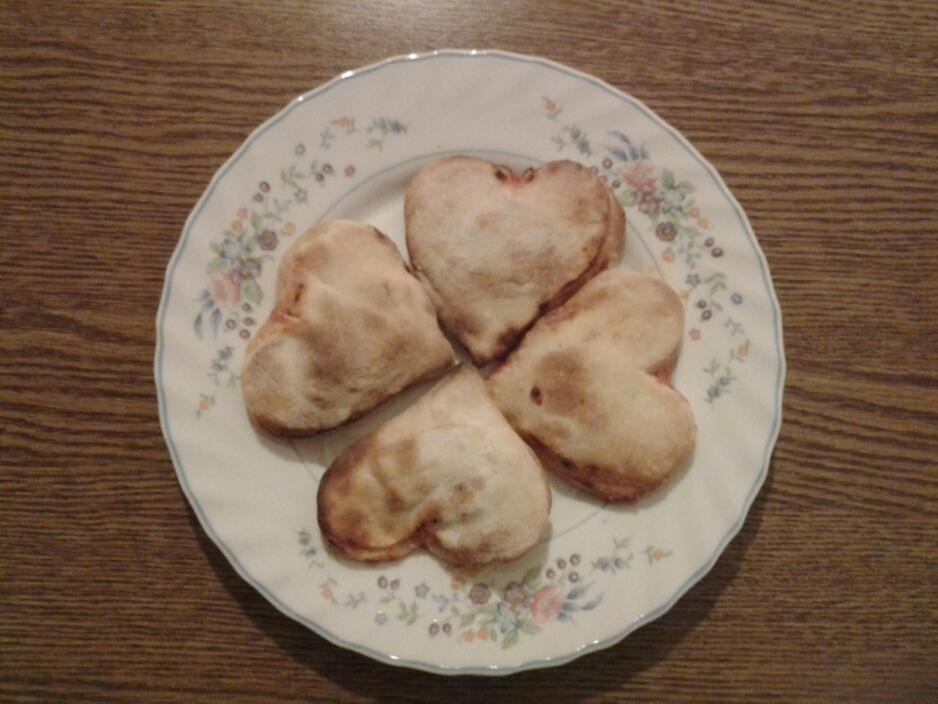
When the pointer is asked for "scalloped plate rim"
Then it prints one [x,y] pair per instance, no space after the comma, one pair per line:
[586,648]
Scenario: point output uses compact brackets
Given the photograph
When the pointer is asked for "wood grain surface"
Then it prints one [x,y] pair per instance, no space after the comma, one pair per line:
[822,118]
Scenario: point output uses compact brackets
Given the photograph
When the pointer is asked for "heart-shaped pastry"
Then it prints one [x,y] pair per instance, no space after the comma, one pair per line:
[589,387]
[449,474]
[351,328]
[497,248]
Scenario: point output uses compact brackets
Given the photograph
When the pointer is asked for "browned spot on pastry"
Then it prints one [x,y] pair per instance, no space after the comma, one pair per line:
[500,173]
[486,221]
[393,501]
[299,292]
[461,325]
[404,453]
[509,337]
[462,497]
[317,255]
[529,175]
[342,467]
[536,396]
[563,376]
[326,361]
[563,381]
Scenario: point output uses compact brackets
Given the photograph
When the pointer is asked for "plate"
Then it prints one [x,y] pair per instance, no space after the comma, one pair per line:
[348,149]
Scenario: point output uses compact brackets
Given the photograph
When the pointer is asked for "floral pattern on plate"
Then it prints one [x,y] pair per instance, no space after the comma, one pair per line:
[348,149]
[480,611]
[233,293]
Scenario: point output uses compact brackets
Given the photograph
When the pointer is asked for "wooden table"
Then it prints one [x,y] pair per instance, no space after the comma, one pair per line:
[822,118]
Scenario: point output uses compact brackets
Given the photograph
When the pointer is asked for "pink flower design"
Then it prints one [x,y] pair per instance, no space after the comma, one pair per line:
[546,604]
[225,290]
[639,176]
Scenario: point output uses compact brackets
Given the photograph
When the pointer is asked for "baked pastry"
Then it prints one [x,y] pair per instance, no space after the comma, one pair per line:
[497,248]
[589,387]
[351,327]
[448,474]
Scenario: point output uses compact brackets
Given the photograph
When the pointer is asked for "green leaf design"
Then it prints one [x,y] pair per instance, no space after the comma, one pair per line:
[531,576]
[529,627]
[216,248]
[217,265]
[252,292]
[511,639]
[667,179]
[197,326]
[467,620]
[216,320]
[592,603]
[256,220]
[628,199]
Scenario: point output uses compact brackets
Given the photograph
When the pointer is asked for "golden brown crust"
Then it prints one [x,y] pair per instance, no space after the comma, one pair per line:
[589,387]
[497,249]
[351,328]
[608,483]
[449,474]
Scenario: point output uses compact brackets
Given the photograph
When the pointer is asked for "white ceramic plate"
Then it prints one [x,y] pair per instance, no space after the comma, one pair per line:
[348,149]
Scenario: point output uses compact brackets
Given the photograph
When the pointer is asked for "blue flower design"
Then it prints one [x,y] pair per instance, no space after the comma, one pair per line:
[505,618]
[421,590]
[673,200]
[736,298]
[381,618]
[693,280]
[300,149]
[300,195]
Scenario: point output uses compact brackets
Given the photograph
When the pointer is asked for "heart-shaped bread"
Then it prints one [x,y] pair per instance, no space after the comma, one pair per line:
[589,387]
[351,328]
[449,474]
[497,248]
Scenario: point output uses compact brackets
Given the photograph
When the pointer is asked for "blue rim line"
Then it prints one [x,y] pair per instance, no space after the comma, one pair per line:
[392,659]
